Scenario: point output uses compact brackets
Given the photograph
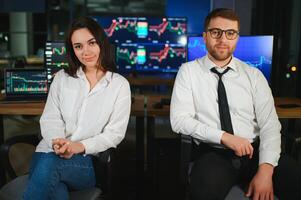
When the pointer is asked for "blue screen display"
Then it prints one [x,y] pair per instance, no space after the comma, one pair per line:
[147,44]
[256,51]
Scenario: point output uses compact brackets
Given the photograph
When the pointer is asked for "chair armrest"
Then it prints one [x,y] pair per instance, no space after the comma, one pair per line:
[105,156]
[5,148]
[185,159]
[102,166]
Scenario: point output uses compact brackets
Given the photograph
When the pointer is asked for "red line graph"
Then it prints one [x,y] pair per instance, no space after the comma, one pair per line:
[162,54]
[165,25]
[160,29]
[119,25]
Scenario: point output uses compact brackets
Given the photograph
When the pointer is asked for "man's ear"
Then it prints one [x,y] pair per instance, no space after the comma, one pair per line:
[204,37]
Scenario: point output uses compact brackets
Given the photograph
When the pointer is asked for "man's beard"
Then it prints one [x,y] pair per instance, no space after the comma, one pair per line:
[218,56]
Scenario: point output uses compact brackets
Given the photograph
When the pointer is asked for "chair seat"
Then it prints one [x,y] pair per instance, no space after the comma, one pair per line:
[9,192]
[90,193]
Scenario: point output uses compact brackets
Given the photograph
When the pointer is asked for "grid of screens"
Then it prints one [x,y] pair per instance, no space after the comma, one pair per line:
[25,81]
[55,58]
[257,51]
[146,44]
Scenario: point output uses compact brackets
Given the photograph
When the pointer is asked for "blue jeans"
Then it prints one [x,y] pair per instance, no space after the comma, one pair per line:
[51,177]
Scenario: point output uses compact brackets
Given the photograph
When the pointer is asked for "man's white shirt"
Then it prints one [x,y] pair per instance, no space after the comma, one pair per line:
[194,106]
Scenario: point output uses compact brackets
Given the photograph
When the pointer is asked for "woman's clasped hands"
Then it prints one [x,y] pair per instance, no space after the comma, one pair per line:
[66,148]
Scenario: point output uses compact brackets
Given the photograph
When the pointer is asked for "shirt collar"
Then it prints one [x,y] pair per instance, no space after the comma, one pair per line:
[80,73]
[209,64]
[106,79]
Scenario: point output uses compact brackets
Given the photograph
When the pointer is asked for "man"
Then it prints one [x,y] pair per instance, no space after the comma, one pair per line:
[227,107]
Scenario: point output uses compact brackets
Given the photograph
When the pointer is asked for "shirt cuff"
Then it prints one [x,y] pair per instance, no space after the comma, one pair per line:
[214,135]
[269,157]
[87,144]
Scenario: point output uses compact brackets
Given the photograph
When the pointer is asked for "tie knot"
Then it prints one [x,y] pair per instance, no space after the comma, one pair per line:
[220,74]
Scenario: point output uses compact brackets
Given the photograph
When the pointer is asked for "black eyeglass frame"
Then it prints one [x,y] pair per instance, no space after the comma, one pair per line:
[221,31]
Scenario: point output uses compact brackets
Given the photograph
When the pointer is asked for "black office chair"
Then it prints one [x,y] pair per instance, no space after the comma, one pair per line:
[15,188]
[293,146]
[187,145]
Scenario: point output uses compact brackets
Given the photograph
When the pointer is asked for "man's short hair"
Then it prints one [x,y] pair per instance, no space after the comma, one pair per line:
[221,12]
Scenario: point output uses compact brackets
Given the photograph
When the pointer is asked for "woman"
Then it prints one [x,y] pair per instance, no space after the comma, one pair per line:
[87,112]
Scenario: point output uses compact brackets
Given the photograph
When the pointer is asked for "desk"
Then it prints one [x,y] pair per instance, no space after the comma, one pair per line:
[150,81]
[283,113]
[28,108]
[291,114]
[152,113]
[35,61]
[4,61]
[138,110]
[288,113]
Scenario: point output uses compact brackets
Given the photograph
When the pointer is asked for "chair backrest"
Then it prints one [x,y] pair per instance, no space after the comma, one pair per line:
[7,149]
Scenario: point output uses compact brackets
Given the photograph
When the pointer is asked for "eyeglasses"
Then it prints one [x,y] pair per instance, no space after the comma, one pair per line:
[217,33]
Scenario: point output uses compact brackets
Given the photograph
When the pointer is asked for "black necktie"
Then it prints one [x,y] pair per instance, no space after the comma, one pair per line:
[223,106]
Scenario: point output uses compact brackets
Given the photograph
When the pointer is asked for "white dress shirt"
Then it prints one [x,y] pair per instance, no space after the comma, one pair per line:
[194,106]
[97,118]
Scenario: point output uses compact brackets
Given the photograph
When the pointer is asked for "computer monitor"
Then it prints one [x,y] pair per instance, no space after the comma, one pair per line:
[147,44]
[25,82]
[143,29]
[55,57]
[256,51]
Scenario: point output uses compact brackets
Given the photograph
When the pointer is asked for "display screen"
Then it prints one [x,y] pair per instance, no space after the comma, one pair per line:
[147,44]
[55,58]
[26,81]
[256,51]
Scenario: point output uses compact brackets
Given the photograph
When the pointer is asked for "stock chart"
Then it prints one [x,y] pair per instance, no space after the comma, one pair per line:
[143,30]
[55,58]
[26,82]
[151,58]
[256,51]
[147,44]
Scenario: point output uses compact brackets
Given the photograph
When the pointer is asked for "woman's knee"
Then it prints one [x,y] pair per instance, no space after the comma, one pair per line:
[46,165]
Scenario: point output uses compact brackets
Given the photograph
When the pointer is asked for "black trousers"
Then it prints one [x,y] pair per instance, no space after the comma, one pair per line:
[215,171]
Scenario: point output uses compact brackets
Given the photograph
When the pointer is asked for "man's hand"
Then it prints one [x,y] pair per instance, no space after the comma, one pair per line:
[239,145]
[261,186]
[66,148]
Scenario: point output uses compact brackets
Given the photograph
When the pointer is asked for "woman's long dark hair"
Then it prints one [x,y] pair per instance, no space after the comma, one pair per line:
[106,58]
